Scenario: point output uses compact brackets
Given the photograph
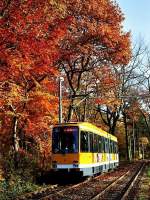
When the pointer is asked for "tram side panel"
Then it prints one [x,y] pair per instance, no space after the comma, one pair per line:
[95,155]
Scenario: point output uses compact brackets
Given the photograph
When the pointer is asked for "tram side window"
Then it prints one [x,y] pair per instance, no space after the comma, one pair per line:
[106,145]
[103,140]
[84,142]
[95,143]
[111,146]
[116,147]
[102,145]
[99,144]
[91,142]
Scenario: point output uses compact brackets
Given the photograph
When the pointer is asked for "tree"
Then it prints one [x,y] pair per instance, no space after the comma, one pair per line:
[94,39]
[108,103]
[30,35]
[145,92]
[143,142]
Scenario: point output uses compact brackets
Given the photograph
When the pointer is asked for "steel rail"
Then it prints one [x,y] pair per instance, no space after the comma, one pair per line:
[109,186]
[60,193]
[124,193]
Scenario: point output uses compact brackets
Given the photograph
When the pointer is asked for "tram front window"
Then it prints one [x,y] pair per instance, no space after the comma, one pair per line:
[65,140]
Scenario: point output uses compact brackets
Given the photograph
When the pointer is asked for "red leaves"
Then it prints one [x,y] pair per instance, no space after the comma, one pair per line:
[96,30]
[100,101]
[27,26]
[30,41]
[35,35]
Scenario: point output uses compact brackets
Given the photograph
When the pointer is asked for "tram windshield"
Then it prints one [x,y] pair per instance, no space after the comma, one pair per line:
[65,139]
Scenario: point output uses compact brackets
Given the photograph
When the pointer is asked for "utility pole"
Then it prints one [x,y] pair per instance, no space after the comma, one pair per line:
[61,79]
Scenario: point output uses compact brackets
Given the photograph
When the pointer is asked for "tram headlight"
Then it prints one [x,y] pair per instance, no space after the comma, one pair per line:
[75,163]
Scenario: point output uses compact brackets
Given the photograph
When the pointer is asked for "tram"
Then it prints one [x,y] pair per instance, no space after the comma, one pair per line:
[83,148]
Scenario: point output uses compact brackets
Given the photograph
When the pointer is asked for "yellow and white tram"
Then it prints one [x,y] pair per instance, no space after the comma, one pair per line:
[83,148]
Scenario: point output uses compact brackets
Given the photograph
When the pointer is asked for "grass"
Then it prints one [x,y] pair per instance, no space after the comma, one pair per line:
[20,180]
[148,172]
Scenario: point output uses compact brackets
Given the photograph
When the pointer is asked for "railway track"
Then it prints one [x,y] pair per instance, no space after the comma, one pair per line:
[111,185]
[120,189]
[50,191]
[141,187]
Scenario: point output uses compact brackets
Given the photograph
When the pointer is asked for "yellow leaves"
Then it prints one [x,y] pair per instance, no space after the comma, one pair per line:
[111,102]
[59,5]
[143,141]
[9,113]
[10,93]
[14,96]
[40,94]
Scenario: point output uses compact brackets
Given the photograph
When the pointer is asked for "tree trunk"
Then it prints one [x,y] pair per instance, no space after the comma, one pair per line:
[133,139]
[126,134]
[112,127]
[15,141]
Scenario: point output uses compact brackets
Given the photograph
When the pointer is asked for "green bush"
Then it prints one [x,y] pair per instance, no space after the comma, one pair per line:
[18,180]
[12,189]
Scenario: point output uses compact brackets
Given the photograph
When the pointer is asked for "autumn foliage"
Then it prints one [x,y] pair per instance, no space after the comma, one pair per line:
[39,38]
[30,34]
[93,43]
[96,30]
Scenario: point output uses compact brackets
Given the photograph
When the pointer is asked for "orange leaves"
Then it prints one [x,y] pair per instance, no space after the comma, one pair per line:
[38,103]
[134,111]
[107,78]
[110,101]
[108,86]
[36,34]
[41,108]
[96,30]
[31,32]
[49,86]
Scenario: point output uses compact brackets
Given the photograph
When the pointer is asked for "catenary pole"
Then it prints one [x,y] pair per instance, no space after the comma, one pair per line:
[61,79]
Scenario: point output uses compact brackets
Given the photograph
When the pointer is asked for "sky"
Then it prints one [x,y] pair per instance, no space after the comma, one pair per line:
[137,18]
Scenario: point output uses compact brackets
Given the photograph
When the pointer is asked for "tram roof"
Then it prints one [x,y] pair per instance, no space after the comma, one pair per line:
[90,127]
